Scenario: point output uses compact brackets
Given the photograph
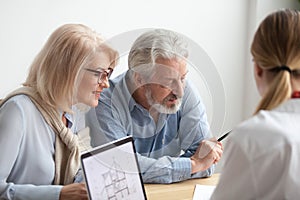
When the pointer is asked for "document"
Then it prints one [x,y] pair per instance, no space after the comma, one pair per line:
[203,192]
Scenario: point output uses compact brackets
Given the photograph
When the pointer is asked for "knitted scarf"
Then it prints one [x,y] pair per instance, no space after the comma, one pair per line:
[67,154]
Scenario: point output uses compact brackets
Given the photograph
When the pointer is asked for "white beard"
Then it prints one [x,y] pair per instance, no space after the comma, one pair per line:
[161,108]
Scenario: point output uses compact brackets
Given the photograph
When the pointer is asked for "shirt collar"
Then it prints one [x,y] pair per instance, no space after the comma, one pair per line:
[128,96]
[69,117]
[291,106]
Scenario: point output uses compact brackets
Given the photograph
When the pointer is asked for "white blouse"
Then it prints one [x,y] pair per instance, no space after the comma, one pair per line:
[27,146]
[262,157]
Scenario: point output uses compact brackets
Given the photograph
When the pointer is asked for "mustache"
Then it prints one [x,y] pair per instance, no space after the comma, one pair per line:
[171,97]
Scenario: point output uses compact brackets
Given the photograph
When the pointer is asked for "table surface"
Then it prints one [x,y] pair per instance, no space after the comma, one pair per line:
[182,191]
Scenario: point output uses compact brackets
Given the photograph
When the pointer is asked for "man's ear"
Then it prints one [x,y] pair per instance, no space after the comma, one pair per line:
[138,80]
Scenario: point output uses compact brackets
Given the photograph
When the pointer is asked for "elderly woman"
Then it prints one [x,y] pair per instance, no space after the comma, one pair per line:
[38,142]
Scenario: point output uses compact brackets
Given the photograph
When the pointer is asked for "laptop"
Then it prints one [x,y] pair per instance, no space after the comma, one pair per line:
[111,171]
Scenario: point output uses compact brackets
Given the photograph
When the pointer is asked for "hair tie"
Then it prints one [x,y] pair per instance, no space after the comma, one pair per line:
[284,68]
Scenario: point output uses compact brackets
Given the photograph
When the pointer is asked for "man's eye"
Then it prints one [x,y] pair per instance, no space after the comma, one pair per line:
[167,84]
[164,86]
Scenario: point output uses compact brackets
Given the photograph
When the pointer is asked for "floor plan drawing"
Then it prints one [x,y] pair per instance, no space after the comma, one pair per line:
[115,181]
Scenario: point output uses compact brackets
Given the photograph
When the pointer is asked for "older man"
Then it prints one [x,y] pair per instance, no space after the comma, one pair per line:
[153,102]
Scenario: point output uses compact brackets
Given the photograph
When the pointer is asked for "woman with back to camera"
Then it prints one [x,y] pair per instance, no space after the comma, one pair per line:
[261,160]
[39,152]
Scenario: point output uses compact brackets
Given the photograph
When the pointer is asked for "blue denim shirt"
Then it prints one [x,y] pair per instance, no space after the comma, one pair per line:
[164,147]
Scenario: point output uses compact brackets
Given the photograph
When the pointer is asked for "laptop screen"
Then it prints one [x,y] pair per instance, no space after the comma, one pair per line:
[111,171]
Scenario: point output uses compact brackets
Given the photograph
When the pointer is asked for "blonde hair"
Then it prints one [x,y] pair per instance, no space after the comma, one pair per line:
[277,43]
[55,69]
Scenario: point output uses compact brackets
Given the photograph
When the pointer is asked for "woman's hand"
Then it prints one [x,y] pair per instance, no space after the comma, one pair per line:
[73,192]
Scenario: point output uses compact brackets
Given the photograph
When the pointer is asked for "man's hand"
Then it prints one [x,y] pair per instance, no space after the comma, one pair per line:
[209,152]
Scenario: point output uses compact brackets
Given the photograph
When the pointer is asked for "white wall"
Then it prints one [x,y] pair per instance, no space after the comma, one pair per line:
[259,9]
[223,29]
[219,27]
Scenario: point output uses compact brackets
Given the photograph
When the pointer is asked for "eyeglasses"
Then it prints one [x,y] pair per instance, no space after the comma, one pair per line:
[101,75]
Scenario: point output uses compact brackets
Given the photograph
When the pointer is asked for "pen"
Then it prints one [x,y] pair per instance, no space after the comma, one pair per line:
[223,136]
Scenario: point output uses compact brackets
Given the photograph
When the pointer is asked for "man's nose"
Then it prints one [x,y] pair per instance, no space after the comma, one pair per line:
[177,88]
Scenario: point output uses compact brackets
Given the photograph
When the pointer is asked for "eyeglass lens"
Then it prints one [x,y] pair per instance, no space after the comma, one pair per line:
[102,75]
[105,74]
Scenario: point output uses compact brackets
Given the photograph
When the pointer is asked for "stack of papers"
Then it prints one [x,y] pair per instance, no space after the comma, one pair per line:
[203,192]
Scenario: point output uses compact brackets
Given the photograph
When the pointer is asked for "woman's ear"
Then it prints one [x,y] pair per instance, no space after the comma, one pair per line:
[258,70]
[259,79]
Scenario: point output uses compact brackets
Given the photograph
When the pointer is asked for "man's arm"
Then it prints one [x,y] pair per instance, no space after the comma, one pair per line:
[106,126]
[110,121]
[194,130]
[167,169]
